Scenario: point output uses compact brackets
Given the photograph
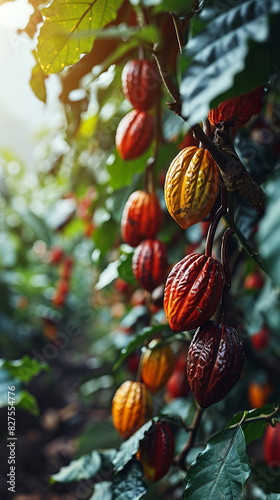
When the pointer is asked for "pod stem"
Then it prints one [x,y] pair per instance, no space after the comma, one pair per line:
[225,262]
[213,226]
[148,175]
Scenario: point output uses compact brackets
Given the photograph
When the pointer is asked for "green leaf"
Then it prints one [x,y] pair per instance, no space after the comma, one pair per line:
[8,254]
[138,340]
[122,172]
[129,448]
[221,470]
[38,81]
[83,468]
[68,31]
[224,59]
[105,235]
[24,369]
[128,484]
[102,491]
[252,430]
[28,402]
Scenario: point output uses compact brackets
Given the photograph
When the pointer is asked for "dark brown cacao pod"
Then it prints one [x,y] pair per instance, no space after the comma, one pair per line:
[238,109]
[134,134]
[156,451]
[142,217]
[193,291]
[149,263]
[140,82]
[215,362]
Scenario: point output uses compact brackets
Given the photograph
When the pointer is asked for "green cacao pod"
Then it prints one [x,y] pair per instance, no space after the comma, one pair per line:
[191,186]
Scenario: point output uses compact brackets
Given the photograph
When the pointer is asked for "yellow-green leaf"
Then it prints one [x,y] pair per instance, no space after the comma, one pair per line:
[69,30]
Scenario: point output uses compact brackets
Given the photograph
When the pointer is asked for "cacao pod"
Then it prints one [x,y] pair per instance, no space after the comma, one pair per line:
[193,291]
[259,394]
[157,365]
[149,263]
[238,109]
[156,451]
[140,82]
[142,217]
[131,407]
[134,134]
[177,385]
[215,362]
[271,445]
[191,186]
[261,338]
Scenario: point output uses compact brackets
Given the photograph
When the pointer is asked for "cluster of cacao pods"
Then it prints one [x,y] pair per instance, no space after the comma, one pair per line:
[65,263]
[135,132]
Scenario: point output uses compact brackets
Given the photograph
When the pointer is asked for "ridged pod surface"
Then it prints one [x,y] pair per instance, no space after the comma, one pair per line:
[157,365]
[140,82]
[271,445]
[156,451]
[191,186]
[142,217]
[238,109]
[215,362]
[193,291]
[134,134]
[149,263]
[131,407]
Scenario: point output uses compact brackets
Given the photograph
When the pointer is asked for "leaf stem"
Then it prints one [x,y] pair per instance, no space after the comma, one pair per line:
[180,459]
[267,418]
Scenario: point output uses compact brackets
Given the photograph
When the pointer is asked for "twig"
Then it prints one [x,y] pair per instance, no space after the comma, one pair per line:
[180,459]
[267,418]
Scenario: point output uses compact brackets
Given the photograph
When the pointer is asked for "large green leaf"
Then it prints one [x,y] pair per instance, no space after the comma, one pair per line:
[68,30]
[83,468]
[129,448]
[221,470]
[236,52]
[128,484]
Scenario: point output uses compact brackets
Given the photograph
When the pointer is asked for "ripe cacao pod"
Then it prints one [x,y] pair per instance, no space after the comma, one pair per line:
[140,82]
[131,407]
[156,451]
[259,394]
[193,291]
[261,338]
[238,109]
[142,217]
[134,134]
[215,362]
[271,445]
[177,385]
[157,365]
[191,186]
[149,263]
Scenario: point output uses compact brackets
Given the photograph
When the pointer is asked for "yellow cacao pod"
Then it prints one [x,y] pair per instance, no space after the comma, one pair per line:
[157,365]
[131,407]
[191,186]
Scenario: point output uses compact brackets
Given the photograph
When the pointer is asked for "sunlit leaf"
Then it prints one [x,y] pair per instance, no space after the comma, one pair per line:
[25,368]
[38,82]
[68,30]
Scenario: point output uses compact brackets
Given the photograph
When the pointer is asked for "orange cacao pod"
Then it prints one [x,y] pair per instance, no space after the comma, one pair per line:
[193,291]
[142,217]
[157,365]
[191,186]
[215,362]
[258,394]
[156,451]
[140,81]
[271,445]
[149,263]
[240,108]
[134,134]
[131,407]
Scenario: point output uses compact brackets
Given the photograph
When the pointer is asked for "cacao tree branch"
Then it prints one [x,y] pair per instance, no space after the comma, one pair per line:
[180,459]
[232,170]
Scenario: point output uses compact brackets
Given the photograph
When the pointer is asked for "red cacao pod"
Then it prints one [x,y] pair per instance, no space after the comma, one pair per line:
[140,82]
[134,134]
[142,217]
[254,281]
[131,407]
[191,186]
[193,291]
[238,109]
[215,362]
[271,445]
[261,338]
[149,263]
[157,365]
[177,385]
[156,451]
